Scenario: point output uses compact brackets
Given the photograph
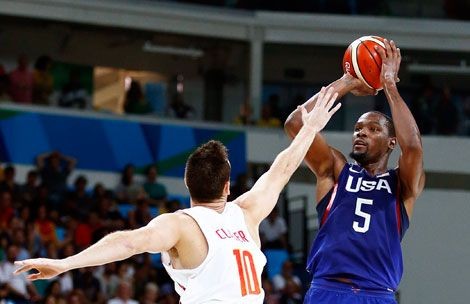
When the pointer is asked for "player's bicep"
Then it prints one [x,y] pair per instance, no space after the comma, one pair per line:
[160,234]
[411,173]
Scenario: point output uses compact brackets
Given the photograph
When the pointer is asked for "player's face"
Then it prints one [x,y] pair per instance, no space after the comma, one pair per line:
[370,138]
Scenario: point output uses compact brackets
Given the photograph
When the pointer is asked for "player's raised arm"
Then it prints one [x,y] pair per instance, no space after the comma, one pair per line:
[260,200]
[324,161]
[411,172]
[161,234]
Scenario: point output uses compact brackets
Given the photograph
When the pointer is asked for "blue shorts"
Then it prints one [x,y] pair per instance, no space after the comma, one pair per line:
[325,292]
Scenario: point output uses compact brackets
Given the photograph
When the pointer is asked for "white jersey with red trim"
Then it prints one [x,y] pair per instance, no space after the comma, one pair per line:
[231,272]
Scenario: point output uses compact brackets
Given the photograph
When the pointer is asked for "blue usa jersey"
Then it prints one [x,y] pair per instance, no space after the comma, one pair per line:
[362,221]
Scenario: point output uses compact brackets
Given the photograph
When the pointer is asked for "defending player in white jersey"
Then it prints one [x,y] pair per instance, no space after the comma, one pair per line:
[211,250]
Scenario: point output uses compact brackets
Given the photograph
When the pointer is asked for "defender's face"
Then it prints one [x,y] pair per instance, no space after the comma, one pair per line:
[370,139]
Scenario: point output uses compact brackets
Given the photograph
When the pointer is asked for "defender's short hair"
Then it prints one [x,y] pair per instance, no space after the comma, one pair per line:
[207,171]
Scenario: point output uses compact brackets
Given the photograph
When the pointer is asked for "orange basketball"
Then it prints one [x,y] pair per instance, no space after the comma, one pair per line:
[362,61]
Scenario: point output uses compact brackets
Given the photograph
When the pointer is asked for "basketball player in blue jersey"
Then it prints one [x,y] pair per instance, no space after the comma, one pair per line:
[363,207]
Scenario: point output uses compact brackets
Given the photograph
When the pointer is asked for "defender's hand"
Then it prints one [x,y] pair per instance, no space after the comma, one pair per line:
[322,111]
[47,268]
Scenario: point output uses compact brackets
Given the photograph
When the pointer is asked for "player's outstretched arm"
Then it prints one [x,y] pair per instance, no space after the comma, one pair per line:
[260,200]
[410,171]
[325,161]
[161,234]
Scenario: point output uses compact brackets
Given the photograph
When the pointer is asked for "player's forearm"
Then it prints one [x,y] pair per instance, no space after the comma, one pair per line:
[407,132]
[113,247]
[289,160]
[293,123]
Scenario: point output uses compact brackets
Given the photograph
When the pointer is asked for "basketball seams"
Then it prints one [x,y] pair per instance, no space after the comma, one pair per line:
[371,55]
[355,64]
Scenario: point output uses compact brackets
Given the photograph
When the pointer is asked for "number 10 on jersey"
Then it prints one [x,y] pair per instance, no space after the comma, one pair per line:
[249,283]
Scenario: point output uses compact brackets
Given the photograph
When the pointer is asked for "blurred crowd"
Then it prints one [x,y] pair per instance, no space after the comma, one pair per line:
[437,110]
[36,86]
[46,216]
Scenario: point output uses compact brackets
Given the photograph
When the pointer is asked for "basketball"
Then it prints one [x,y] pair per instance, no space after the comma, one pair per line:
[362,61]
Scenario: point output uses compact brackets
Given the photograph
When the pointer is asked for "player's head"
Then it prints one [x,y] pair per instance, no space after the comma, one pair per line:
[208,172]
[373,138]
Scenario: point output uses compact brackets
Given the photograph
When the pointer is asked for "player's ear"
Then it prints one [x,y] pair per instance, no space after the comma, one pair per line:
[227,188]
[392,141]
[185,184]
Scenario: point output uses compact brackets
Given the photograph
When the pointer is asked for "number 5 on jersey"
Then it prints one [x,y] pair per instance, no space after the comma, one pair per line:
[364,215]
[249,283]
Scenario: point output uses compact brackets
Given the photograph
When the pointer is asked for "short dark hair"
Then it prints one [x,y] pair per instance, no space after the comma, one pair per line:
[389,123]
[207,171]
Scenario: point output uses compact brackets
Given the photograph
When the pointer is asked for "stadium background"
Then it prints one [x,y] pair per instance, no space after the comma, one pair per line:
[217,57]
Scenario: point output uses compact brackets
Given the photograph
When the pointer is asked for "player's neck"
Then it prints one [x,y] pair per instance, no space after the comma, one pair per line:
[217,205]
[376,168]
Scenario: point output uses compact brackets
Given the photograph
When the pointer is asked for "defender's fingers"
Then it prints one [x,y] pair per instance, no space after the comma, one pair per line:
[303,111]
[35,276]
[321,97]
[332,100]
[335,109]
[326,98]
[23,268]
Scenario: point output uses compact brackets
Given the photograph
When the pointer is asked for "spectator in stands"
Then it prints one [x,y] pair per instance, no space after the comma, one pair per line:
[155,190]
[150,294]
[291,294]
[179,109]
[447,114]
[53,293]
[73,93]
[4,96]
[245,115]
[54,168]
[267,119]
[270,295]
[85,231]
[9,183]
[44,227]
[109,281]
[128,190]
[86,281]
[6,209]
[21,81]
[173,206]
[19,240]
[273,231]
[29,190]
[140,216]
[15,287]
[77,296]
[135,102]
[66,279]
[282,280]
[80,197]
[123,294]
[43,82]
[239,187]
